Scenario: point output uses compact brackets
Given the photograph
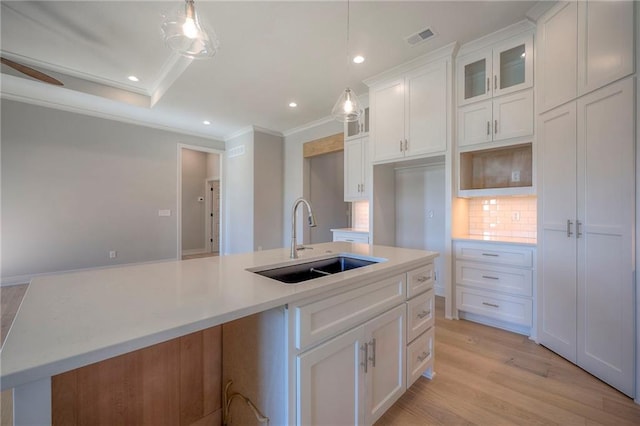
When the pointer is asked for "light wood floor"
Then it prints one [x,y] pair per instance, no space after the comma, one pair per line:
[198,256]
[487,376]
[484,376]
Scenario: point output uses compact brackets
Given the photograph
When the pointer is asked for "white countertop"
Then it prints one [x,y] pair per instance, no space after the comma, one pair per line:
[495,239]
[356,230]
[70,320]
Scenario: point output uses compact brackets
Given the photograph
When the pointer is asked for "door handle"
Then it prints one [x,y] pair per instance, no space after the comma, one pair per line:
[372,358]
[365,348]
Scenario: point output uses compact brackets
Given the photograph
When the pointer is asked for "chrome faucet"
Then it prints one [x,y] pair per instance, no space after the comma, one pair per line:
[312,223]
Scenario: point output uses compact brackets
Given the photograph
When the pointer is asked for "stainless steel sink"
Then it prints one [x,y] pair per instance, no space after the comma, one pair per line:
[305,271]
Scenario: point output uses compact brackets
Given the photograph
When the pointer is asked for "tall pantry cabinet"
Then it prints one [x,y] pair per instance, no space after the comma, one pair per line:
[586,175]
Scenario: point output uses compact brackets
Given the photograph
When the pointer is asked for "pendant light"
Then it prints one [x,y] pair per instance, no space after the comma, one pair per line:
[347,108]
[187,34]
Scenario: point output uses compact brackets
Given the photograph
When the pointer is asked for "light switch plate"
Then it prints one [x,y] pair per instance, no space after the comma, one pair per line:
[164,212]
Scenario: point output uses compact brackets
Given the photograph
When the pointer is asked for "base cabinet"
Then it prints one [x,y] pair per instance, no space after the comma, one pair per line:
[349,352]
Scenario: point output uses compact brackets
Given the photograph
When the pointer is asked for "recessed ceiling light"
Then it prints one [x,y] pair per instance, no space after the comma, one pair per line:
[358,59]
[293,104]
[206,122]
[133,78]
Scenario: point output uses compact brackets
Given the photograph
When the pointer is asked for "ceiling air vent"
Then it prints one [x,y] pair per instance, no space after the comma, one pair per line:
[420,36]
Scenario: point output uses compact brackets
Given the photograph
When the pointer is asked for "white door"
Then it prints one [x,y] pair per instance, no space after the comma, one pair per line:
[513,65]
[557,245]
[388,120]
[331,380]
[605,41]
[557,59]
[474,77]
[513,115]
[606,194]
[353,170]
[426,109]
[385,377]
[474,123]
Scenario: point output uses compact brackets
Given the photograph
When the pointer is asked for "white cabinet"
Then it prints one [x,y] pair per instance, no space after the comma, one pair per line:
[351,349]
[409,114]
[355,377]
[502,118]
[504,68]
[494,283]
[356,169]
[583,46]
[586,225]
[357,129]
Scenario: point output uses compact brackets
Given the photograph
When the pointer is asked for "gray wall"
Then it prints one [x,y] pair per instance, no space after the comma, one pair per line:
[326,195]
[268,191]
[75,187]
[296,171]
[194,175]
[238,196]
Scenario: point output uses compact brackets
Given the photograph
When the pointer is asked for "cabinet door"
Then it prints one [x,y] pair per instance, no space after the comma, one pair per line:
[330,382]
[557,254]
[354,129]
[388,120]
[474,77]
[606,208]
[557,56]
[385,377]
[605,40]
[474,123]
[353,170]
[513,115]
[426,108]
[513,65]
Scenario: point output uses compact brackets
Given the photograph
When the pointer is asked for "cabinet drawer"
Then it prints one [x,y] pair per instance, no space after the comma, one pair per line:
[510,309]
[502,255]
[420,280]
[352,237]
[320,319]
[515,281]
[420,356]
[420,314]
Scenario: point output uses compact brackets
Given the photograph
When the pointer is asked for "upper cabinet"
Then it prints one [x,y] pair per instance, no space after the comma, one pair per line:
[409,113]
[357,129]
[356,169]
[503,68]
[582,46]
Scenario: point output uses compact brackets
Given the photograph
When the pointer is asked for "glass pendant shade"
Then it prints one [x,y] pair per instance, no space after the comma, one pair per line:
[347,108]
[185,33]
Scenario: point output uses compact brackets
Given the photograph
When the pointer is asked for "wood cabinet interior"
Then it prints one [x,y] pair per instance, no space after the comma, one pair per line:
[506,167]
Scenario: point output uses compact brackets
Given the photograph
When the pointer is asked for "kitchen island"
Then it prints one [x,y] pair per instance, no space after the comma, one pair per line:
[72,320]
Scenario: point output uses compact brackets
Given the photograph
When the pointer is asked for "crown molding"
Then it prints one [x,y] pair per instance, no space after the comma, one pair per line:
[308,126]
[540,9]
[507,32]
[447,51]
[238,133]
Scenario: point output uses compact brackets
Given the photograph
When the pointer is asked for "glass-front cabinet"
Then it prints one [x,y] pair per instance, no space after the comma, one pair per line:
[358,128]
[497,70]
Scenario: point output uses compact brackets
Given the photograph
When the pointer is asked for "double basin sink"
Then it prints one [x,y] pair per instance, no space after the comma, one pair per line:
[309,270]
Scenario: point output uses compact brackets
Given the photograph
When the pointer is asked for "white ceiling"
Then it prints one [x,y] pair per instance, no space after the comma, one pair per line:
[271,53]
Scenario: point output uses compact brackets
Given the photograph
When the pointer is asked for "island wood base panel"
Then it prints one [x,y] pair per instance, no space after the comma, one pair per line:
[177,382]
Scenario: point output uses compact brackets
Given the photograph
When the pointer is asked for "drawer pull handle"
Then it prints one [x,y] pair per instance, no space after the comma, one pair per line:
[493,305]
[424,356]
[423,314]
[348,240]
[489,277]
[490,254]
[422,279]
[365,364]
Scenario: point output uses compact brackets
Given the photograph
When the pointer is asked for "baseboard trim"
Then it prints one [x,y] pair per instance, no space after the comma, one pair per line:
[194,251]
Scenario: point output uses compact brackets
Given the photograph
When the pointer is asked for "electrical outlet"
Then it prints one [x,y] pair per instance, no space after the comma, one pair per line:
[515,216]
[515,176]
[113,254]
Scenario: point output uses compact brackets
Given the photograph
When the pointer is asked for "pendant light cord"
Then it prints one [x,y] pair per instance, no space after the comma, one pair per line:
[348,28]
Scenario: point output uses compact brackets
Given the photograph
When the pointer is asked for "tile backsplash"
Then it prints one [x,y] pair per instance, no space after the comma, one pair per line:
[360,215]
[503,216]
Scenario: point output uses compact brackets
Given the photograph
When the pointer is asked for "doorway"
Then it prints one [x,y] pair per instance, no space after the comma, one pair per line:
[199,202]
